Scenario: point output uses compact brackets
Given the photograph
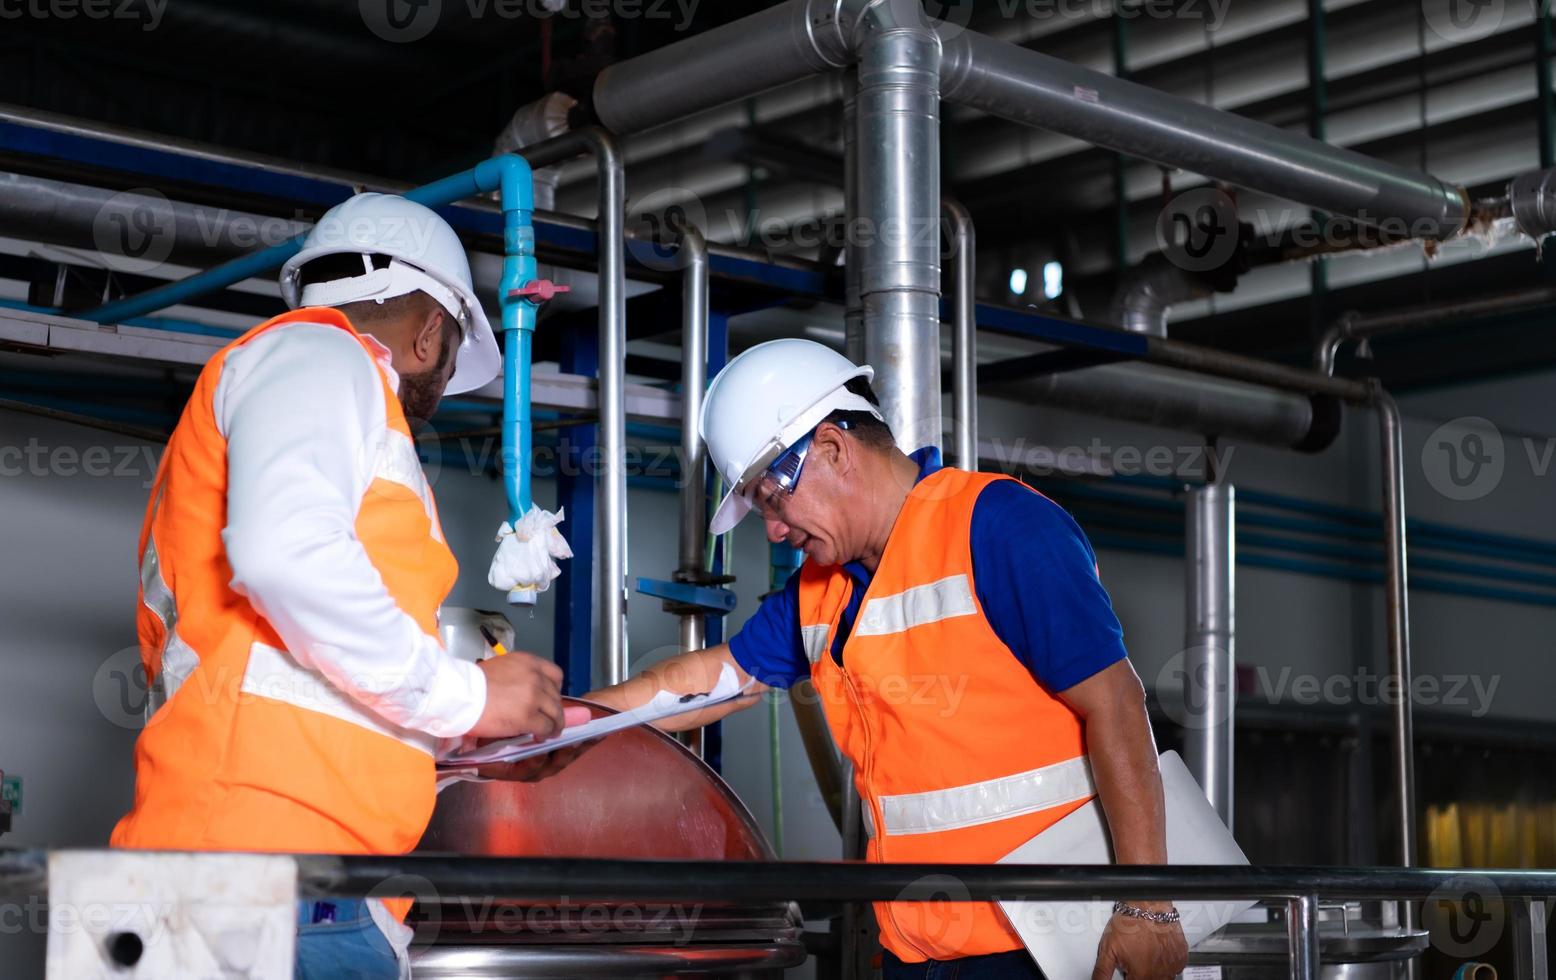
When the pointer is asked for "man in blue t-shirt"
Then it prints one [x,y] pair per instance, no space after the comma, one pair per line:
[980,579]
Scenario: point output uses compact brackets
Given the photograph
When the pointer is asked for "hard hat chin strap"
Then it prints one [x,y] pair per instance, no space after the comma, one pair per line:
[379,285]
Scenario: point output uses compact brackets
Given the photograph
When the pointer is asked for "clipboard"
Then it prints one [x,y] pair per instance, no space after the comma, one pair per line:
[1063,936]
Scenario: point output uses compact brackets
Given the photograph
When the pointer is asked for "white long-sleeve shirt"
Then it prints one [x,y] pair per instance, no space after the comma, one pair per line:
[302,407]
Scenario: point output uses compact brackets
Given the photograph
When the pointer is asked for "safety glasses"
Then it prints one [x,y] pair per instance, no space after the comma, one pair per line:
[771,491]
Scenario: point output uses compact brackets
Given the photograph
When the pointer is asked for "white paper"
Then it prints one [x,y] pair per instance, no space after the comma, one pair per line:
[663,705]
[1063,936]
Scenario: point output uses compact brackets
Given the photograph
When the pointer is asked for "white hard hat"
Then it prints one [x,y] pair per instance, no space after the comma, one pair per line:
[425,254]
[766,400]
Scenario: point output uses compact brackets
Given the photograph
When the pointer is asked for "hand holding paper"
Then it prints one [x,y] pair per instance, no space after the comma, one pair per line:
[663,705]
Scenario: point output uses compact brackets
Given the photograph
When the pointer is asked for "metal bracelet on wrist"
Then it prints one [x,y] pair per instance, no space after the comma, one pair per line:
[1136,912]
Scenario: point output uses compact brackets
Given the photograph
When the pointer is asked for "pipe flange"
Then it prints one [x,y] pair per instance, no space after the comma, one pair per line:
[1533,201]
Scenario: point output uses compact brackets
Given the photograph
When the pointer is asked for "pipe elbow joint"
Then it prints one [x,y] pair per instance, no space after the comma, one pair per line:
[510,175]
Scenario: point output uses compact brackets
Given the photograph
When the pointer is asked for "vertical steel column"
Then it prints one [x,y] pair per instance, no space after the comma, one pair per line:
[574,642]
[718,356]
[1542,64]
[1120,188]
[1397,599]
[1318,109]
[898,150]
[964,346]
[1208,660]
[694,381]
[611,243]
[1302,933]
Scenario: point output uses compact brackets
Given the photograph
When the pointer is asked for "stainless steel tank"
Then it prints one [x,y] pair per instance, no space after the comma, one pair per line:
[1355,943]
[636,794]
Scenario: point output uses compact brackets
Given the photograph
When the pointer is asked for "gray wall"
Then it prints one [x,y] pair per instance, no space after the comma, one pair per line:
[68,604]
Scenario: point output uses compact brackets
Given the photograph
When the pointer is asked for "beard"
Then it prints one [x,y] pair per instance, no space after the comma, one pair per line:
[421,392]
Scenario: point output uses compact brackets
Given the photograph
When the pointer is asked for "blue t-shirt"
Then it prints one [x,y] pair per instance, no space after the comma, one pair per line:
[1036,578]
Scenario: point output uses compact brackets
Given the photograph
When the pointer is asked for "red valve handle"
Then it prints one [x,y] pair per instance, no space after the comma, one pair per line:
[540,290]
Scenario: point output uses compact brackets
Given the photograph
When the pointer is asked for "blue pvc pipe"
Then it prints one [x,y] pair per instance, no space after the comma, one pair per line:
[485,177]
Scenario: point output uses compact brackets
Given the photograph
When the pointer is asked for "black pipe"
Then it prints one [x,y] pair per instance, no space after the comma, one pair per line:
[540,879]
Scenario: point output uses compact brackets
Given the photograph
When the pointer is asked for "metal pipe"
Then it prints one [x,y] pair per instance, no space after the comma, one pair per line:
[1397,596]
[1209,653]
[1183,400]
[740,59]
[898,148]
[612,245]
[1147,293]
[853,304]
[1355,326]
[1237,367]
[1302,933]
[1027,86]
[596,879]
[964,344]
[694,381]
[25,871]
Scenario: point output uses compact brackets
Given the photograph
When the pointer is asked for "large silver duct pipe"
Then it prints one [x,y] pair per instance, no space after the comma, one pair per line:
[1208,656]
[537,122]
[1029,87]
[1185,400]
[743,58]
[898,148]
[802,37]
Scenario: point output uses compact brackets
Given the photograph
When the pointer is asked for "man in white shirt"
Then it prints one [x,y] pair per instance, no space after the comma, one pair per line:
[292,566]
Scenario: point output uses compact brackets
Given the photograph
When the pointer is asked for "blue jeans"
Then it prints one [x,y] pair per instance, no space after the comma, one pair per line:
[1014,965]
[339,939]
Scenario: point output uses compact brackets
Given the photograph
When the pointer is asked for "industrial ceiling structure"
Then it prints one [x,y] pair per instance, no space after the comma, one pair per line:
[407,91]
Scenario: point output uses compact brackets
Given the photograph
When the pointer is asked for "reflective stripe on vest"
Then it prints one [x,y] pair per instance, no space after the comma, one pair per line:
[814,639]
[988,801]
[918,606]
[273,674]
[177,660]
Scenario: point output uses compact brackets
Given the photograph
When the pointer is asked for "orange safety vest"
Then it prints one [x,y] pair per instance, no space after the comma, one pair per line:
[959,755]
[245,749]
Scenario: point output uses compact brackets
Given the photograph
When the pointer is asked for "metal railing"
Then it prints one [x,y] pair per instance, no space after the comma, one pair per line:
[25,872]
